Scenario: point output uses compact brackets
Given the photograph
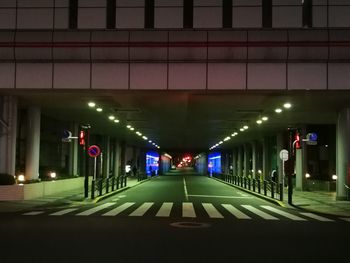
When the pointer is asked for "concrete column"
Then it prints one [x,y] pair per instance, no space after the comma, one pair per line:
[343,154]
[279,147]
[234,161]
[73,151]
[8,134]
[33,143]
[122,157]
[254,159]
[116,158]
[266,158]
[246,160]
[106,156]
[301,165]
[240,161]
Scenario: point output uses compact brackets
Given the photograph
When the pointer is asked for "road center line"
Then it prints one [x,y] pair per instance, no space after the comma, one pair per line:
[185,188]
[222,196]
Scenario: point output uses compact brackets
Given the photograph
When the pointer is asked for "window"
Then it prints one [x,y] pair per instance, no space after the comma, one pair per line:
[307,13]
[188,14]
[73,14]
[111,11]
[267,13]
[227,13]
[149,13]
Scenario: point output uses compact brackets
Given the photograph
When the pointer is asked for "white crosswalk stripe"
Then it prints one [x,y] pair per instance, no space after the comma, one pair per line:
[259,212]
[63,212]
[95,209]
[142,209]
[317,217]
[118,209]
[211,210]
[234,211]
[165,210]
[283,213]
[188,210]
[33,213]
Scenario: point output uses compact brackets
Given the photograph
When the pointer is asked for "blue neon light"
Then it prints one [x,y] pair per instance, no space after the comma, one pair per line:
[152,163]
[214,162]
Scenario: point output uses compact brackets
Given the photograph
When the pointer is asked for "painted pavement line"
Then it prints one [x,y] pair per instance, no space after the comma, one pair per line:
[33,213]
[188,210]
[283,213]
[212,211]
[185,188]
[95,209]
[259,212]
[165,210]
[234,211]
[142,209]
[317,217]
[63,212]
[222,196]
[118,209]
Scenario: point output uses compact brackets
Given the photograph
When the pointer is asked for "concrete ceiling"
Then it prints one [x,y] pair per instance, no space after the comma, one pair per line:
[188,120]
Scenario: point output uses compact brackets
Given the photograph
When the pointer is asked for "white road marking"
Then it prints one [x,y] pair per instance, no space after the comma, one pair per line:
[185,189]
[259,212]
[347,219]
[165,210]
[142,209]
[317,217]
[95,209]
[33,213]
[283,213]
[212,211]
[63,212]
[118,209]
[234,211]
[188,210]
[221,196]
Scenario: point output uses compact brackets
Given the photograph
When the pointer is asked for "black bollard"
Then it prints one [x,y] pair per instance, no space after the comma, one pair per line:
[272,189]
[281,192]
[265,188]
[93,189]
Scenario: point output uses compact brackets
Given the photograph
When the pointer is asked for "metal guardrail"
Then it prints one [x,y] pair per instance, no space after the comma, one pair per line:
[263,187]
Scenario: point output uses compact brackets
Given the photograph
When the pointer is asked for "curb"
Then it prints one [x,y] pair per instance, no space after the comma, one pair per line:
[277,202]
[100,198]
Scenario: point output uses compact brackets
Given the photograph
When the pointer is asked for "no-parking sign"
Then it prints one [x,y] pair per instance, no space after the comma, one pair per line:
[94,151]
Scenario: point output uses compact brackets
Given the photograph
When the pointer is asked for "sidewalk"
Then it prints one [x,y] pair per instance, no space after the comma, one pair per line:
[319,201]
[64,198]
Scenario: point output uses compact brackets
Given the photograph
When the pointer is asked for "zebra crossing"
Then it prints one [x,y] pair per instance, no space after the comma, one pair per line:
[189,210]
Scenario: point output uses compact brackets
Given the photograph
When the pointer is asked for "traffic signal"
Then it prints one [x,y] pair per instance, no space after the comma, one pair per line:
[297,140]
[82,134]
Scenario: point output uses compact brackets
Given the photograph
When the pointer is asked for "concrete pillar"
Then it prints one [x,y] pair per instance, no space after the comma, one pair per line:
[301,165]
[73,151]
[266,158]
[116,158]
[279,147]
[254,159]
[33,143]
[343,154]
[8,134]
[106,156]
[246,171]
[240,161]
[122,158]
[234,161]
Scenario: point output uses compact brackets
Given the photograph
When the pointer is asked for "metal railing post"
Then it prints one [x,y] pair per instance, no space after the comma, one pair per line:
[253,185]
[259,186]
[107,185]
[265,188]
[272,189]
[281,191]
[100,187]
[93,189]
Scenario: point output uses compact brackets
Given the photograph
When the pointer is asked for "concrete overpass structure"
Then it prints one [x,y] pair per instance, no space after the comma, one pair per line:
[181,74]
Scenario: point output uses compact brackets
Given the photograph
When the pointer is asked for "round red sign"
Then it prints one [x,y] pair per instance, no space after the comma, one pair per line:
[94,151]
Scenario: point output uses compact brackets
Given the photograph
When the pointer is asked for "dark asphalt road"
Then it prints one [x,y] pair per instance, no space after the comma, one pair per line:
[149,238]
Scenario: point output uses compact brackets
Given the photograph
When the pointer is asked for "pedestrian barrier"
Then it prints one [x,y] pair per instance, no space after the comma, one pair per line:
[103,186]
[264,187]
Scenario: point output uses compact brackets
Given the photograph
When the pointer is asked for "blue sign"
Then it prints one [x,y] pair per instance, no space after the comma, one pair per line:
[312,136]
[67,134]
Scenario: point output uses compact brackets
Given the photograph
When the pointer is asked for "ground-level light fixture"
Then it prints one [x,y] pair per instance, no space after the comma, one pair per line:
[91,104]
[21,178]
[53,175]
[116,121]
[259,121]
[264,118]
[307,175]
[334,177]
[245,127]
[99,109]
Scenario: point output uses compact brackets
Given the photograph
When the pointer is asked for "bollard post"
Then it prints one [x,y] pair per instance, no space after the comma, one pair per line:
[245,182]
[272,189]
[249,183]
[113,181]
[253,185]
[100,187]
[259,186]
[265,190]
[107,185]
[281,192]
[93,189]
[117,182]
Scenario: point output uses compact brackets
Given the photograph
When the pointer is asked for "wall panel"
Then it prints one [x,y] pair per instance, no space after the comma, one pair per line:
[7,75]
[227,76]
[148,76]
[72,76]
[110,76]
[187,76]
[266,76]
[34,76]
[307,76]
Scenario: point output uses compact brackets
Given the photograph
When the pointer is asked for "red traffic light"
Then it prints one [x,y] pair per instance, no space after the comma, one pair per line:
[297,141]
[82,137]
